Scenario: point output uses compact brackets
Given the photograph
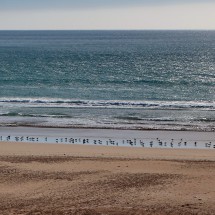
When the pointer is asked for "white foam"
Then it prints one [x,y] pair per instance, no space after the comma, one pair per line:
[60,102]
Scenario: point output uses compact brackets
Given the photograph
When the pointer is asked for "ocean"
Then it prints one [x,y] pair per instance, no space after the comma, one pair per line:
[108,79]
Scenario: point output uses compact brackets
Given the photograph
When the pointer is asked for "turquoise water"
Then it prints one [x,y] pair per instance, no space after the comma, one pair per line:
[126,79]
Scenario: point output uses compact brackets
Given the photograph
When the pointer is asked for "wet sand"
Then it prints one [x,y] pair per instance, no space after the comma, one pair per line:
[76,179]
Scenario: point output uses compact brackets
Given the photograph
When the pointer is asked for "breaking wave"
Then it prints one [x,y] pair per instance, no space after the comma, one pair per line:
[55,102]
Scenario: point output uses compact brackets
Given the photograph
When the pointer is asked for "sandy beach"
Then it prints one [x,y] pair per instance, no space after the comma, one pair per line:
[81,179]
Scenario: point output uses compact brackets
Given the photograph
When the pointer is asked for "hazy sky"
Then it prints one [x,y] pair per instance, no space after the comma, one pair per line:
[107,14]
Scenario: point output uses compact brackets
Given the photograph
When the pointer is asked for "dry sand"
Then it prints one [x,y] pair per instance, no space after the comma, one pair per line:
[73,179]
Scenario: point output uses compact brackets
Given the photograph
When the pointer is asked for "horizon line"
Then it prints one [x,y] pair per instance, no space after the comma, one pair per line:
[177,29]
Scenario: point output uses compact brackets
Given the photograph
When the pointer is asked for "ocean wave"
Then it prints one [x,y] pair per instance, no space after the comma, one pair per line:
[111,120]
[17,114]
[58,102]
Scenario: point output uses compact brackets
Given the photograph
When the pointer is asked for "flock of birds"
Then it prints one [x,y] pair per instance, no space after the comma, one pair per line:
[173,143]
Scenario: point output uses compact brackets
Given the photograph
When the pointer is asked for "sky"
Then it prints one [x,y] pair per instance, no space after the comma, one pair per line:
[106,14]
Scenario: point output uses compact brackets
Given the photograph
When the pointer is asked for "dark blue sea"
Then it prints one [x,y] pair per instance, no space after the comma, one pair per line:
[108,79]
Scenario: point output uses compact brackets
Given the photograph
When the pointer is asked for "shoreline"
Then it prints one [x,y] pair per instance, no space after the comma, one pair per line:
[188,129]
